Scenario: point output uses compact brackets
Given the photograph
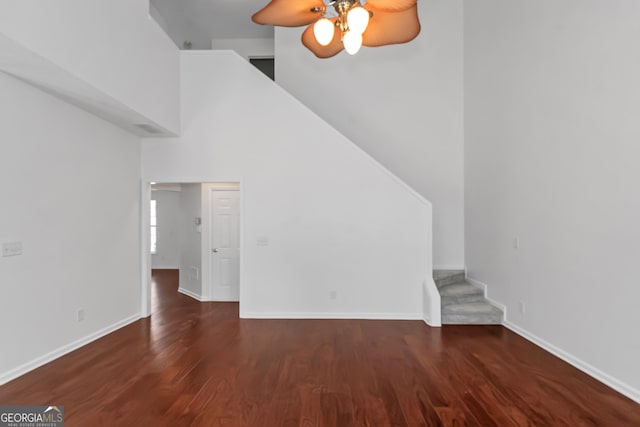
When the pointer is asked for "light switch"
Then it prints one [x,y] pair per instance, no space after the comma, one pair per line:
[11,249]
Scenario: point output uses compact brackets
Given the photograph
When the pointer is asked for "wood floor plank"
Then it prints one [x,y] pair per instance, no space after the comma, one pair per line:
[198,364]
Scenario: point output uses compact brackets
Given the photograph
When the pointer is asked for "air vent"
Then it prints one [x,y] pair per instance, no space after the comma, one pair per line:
[148,128]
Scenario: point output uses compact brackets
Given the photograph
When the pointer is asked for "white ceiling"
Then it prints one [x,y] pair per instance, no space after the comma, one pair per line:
[212,19]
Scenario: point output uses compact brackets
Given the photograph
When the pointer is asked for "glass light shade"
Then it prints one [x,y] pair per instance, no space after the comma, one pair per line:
[358,19]
[323,31]
[352,42]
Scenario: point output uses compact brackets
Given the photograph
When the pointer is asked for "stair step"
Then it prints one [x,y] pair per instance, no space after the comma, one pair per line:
[459,293]
[477,313]
[447,277]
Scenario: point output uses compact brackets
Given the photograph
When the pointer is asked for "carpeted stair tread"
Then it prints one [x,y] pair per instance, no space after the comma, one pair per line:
[459,293]
[447,277]
[472,308]
[460,289]
[471,313]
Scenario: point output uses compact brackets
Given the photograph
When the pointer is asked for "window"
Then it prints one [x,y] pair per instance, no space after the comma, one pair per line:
[154,231]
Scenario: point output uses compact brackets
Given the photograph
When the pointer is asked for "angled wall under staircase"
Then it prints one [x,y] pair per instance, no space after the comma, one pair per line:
[337,222]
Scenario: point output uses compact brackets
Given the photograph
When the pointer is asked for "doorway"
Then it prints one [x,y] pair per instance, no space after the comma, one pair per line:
[209,240]
[224,235]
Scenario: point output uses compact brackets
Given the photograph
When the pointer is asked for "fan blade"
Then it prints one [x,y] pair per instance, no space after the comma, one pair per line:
[334,48]
[390,5]
[391,27]
[289,13]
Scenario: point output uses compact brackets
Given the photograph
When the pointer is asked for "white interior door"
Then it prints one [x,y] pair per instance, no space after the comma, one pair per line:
[225,245]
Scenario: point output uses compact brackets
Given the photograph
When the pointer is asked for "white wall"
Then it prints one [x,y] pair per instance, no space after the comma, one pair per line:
[168,212]
[335,220]
[247,48]
[190,239]
[403,106]
[114,46]
[70,194]
[552,131]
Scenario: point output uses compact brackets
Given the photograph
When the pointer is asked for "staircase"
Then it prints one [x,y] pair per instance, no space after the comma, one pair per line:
[462,303]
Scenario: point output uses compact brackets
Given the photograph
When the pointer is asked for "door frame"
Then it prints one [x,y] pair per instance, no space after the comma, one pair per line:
[206,227]
[145,238]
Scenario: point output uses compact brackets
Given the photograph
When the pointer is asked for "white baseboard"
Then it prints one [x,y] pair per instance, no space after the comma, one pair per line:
[484,287]
[588,369]
[51,356]
[499,305]
[478,284]
[200,298]
[432,324]
[316,315]
[191,294]
[607,379]
[448,267]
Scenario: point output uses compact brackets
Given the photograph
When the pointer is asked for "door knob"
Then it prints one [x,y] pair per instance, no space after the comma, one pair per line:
[214,250]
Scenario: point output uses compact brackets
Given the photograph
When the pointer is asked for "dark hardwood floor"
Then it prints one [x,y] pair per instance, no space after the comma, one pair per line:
[197,364]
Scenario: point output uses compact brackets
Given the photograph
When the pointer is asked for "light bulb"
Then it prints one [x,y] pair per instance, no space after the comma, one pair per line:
[358,19]
[352,42]
[323,30]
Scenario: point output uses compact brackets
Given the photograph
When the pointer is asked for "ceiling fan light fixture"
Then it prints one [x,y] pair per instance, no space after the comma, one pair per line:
[349,26]
[352,42]
[323,30]
[358,19]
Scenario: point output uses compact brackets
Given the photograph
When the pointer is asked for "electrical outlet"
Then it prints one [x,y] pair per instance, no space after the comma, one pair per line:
[333,295]
[80,315]
[521,307]
[262,241]
[11,249]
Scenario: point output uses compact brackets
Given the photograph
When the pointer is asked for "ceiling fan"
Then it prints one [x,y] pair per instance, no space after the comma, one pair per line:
[352,23]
